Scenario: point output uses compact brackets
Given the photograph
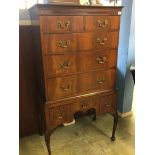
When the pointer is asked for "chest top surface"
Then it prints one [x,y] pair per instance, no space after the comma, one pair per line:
[57,9]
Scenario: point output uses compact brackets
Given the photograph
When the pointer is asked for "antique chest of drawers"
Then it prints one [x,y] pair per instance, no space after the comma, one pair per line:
[76,57]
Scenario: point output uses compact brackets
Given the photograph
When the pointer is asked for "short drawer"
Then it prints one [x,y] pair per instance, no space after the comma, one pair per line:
[107,103]
[59,115]
[60,64]
[83,105]
[97,60]
[61,87]
[61,24]
[94,23]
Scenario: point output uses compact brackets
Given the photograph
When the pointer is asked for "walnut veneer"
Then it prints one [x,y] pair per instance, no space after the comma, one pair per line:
[76,57]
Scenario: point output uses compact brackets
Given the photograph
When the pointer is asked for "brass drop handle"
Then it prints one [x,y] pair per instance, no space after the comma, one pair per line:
[101,80]
[65,64]
[108,103]
[101,60]
[64,44]
[59,23]
[67,24]
[60,116]
[101,42]
[66,88]
[102,24]
[84,105]
[62,25]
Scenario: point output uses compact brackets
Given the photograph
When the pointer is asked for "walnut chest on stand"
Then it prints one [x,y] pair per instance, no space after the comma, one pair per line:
[76,58]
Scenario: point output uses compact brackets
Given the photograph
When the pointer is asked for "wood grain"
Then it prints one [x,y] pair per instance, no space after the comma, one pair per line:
[61,24]
[73,63]
[61,64]
[67,86]
[59,43]
[65,113]
[102,23]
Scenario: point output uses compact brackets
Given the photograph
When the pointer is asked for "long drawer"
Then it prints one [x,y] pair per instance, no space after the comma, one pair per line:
[67,86]
[81,62]
[74,42]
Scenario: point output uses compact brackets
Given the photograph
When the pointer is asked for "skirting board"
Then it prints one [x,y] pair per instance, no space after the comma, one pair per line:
[24,22]
[122,115]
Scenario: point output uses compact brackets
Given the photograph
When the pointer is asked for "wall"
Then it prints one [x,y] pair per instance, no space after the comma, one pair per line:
[126,57]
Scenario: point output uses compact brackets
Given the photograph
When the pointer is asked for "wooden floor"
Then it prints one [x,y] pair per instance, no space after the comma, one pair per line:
[85,137]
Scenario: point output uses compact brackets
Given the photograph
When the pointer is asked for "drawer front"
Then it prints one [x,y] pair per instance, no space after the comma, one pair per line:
[60,64]
[82,62]
[97,60]
[94,23]
[107,103]
[84,105]
[61,24]
[60,114]
[61,87]
[97,80]
[79,42]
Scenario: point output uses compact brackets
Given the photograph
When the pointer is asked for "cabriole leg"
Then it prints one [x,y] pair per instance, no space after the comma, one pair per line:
[47,139]
[114,126]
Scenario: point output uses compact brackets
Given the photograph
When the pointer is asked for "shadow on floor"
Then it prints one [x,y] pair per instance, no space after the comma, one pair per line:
[85,137]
